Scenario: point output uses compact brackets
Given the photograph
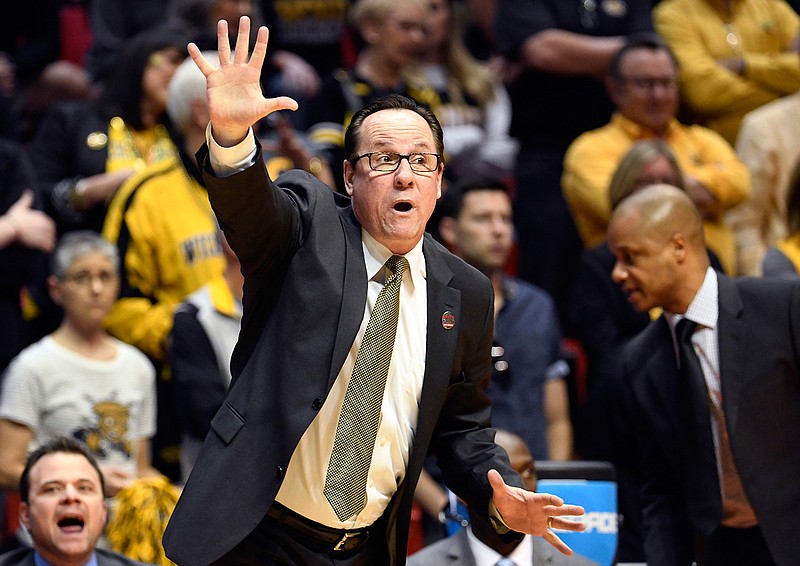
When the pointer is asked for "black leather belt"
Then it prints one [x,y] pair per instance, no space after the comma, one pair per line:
[319,536]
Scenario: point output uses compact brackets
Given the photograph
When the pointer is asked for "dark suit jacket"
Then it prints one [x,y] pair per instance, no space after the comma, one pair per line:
[305,290]
[759,349]
[455,550]
[24,557]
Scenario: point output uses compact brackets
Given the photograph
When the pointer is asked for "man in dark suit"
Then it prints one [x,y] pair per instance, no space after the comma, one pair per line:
[479,545]
[314,265]
[716,393]
[63,508]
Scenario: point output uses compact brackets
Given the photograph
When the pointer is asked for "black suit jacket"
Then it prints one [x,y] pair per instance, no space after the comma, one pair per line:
[305,290]
[759,351]
[456,551]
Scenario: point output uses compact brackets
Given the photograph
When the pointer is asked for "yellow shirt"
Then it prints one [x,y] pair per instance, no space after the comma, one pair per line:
[593,157]
[162,223]
[700,32]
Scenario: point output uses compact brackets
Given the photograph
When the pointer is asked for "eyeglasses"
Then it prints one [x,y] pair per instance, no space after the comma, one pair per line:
[388,161]
[650,83]
[86,279]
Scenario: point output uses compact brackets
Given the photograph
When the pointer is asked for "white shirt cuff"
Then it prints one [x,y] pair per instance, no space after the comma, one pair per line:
[227,161]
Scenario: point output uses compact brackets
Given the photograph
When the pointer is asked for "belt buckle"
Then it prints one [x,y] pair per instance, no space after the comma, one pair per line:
[342,541]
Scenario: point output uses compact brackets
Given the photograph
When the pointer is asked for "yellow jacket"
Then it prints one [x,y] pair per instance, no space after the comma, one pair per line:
[700,33]
[167,236]
[593,157]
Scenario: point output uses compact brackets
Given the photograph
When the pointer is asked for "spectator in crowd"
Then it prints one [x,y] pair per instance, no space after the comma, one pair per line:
[783,259]
[474,109]
[710,380]
[84,151]
[642,81]
[733,56]
[528,389]
[767,144]
[25,233]
[558,52]
[394,36]
[79,381]
[62,506]
[299,278]
[163,226]
[204,331]
[479,545]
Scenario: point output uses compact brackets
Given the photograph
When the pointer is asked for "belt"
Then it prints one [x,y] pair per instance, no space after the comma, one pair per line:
[326,539]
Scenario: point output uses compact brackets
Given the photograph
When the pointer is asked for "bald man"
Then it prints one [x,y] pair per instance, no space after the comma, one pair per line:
[720,438]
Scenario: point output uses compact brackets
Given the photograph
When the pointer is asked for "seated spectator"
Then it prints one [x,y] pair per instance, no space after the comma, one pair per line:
[79,381]
[733,56]
[205,329]
[783,259]
[768,146]
[62,506]
[84,151]
[475,111]
[642,81]
[479,544]
[394,35]
[527,389]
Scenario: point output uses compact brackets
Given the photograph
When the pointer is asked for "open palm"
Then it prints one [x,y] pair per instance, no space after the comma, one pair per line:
[235,101]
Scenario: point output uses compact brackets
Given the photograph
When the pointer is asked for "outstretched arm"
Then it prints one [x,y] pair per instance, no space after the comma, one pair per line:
[534,513]
[233,90]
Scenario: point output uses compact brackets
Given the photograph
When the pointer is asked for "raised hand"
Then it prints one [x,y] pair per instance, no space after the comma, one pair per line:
[233,90]
[32,228]
[534,513]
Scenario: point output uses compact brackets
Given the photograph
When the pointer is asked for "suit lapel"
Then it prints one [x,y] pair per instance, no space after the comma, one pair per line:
[657,387]
[458,549]
[440,343]
[731,332]
[354,294]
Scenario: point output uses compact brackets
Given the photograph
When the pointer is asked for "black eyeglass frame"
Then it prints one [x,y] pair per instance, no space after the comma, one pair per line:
[400,157]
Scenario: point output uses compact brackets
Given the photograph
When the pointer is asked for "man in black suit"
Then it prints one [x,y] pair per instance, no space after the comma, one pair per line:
[314,263]
[479,545]
[716,390]
[63,508]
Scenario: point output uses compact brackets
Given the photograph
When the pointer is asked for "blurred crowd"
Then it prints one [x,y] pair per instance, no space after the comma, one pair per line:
[120,301]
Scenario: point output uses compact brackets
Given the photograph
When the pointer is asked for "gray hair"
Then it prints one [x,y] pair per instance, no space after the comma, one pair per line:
[186,85]
[75,244]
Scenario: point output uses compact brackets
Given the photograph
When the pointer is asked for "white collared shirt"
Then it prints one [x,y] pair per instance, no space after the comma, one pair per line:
[522,555]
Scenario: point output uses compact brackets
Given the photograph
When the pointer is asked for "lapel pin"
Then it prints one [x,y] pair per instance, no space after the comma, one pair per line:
[448,320]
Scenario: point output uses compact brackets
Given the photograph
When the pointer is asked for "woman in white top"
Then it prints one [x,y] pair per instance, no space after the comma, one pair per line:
[79,381]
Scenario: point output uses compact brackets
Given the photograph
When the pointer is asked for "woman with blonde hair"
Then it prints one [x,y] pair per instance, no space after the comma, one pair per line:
[474,108]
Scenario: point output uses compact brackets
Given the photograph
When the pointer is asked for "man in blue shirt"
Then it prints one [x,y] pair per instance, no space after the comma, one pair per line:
[528,390]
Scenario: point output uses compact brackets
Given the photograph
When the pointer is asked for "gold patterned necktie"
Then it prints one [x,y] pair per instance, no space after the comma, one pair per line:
[353,445]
